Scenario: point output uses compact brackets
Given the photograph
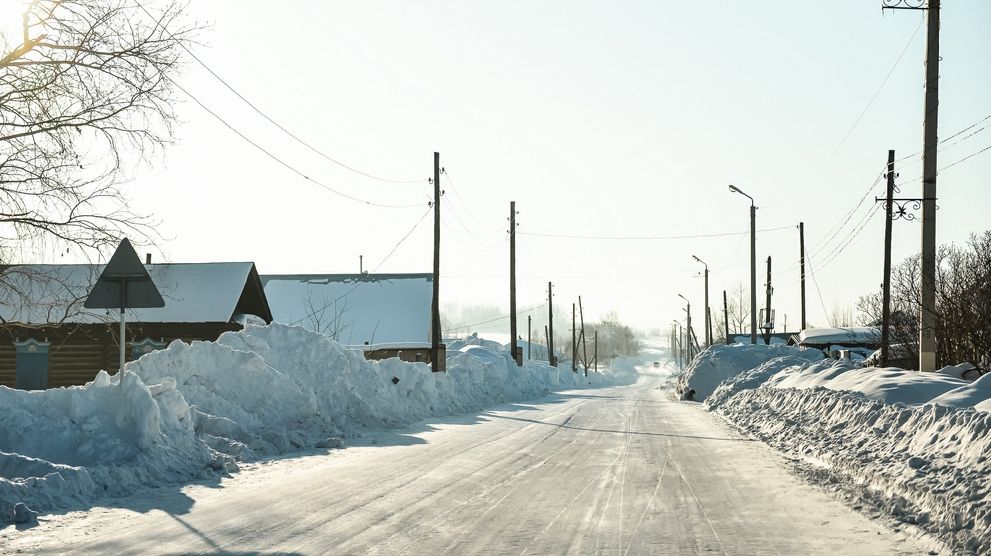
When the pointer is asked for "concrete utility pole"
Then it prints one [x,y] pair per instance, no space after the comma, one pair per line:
[708,329]
[927,304]
[801,262]
[927,332]
[516,352]
[435,303]
[550,325]
[886,284]
[726,317]
[753,264]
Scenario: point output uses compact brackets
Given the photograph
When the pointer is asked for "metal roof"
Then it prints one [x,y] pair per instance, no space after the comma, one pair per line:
[193,293]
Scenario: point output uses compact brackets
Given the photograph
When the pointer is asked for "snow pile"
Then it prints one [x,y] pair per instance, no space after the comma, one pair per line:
[720,362]
[69,443]
[190,408]
[916,446]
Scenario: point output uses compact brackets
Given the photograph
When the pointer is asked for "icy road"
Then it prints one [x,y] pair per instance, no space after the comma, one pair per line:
[620,471]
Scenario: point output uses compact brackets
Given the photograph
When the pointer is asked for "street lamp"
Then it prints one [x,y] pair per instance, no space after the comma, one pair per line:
[707,324]
[753,264]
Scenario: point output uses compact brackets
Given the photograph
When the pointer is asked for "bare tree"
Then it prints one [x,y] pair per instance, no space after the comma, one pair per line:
[327,316]
[87,86]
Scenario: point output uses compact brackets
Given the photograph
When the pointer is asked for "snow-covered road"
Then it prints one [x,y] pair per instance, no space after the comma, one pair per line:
[624,470]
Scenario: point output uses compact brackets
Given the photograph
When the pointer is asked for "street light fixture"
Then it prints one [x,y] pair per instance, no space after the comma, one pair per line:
[753,263]
[707,324]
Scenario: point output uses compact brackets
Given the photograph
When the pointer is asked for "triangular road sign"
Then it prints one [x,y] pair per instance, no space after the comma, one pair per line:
[124,283]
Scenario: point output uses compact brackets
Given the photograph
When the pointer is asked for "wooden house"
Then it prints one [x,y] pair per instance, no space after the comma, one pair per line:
[48,339]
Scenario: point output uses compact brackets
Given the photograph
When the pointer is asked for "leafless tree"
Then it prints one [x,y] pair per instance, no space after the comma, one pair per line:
[326,316]
[85,89]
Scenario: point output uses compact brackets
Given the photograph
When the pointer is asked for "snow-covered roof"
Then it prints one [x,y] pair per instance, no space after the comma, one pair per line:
[193,292]
[354,308]
[852,336]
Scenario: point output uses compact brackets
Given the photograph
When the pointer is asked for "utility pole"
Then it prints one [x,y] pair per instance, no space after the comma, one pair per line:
[361,264]
[927,332]
[435,303]
[516,353]
[574,342]
[726,317]
[705,316]
[547,343]
[581,316]
[595,350]
[801,262]
[886,285]
[529,340]
[927,305]
[769,324]
[753,273]
[550,325]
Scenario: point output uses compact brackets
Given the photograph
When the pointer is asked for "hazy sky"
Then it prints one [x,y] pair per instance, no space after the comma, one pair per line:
[597,118]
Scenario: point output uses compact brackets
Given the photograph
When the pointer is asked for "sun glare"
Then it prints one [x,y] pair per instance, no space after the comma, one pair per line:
[10,19]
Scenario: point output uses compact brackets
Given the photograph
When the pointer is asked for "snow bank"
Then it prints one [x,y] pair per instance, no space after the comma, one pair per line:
[720,362]
[913,445]
[187,410]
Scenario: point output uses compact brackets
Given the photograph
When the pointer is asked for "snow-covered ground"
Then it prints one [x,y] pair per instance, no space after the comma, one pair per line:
[197,409]
[915,446]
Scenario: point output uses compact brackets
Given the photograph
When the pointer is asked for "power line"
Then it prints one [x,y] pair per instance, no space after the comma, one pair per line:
[879,89]
[649,238]
[518,313]
[282,162]
[962,131]
[465,205]
[379,265]
[269,119]
[808,260]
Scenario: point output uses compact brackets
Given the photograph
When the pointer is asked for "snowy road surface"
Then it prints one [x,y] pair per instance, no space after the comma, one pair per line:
[620,471]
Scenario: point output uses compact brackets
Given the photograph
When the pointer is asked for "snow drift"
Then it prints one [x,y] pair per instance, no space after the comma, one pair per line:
[720,362]
[916,446]
[192,408]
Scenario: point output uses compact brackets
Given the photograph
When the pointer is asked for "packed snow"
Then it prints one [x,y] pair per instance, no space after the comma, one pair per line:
[190,410]
[914,446]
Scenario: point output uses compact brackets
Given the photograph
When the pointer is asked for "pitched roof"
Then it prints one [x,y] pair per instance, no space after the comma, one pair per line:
[193,292]
[355,308]
[854,335]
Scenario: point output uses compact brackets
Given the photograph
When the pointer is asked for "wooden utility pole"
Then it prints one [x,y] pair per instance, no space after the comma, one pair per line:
[550,325]
[595,351]
[769,320]
[574,343]
[547,343]
[435,333]
[516,352]
[801,263]
[726,317]
[581,315]
[529,339]
[886,284]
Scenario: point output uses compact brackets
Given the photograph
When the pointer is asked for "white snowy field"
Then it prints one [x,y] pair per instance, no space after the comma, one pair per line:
[915,446]
[200,410]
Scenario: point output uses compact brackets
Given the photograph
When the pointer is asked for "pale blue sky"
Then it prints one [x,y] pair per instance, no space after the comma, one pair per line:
[619,118]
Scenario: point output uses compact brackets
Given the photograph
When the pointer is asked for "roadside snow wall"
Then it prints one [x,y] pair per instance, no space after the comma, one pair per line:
[187,410]
[721,362]
[906,444]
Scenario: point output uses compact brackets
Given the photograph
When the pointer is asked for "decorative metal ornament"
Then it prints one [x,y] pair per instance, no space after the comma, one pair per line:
[904,4]
[900,207]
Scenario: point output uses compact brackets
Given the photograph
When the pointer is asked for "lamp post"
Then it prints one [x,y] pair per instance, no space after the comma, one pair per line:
[753,264]
[678,351]
[688,325]
[708,330]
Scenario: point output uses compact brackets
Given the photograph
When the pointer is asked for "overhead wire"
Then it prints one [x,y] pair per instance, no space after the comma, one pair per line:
[879,89]
[283,163]
[375,269]
[506,316]
[270,119]
[457,195]
[648,238]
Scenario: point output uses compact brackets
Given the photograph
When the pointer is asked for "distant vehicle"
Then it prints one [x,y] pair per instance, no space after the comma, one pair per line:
[657,363]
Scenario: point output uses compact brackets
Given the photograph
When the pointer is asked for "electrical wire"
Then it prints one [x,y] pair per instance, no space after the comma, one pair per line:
[465,205]
[822,303]
[506,316]
[649,238]
[283,163]
[379,265]
[268,118]
[879,89]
